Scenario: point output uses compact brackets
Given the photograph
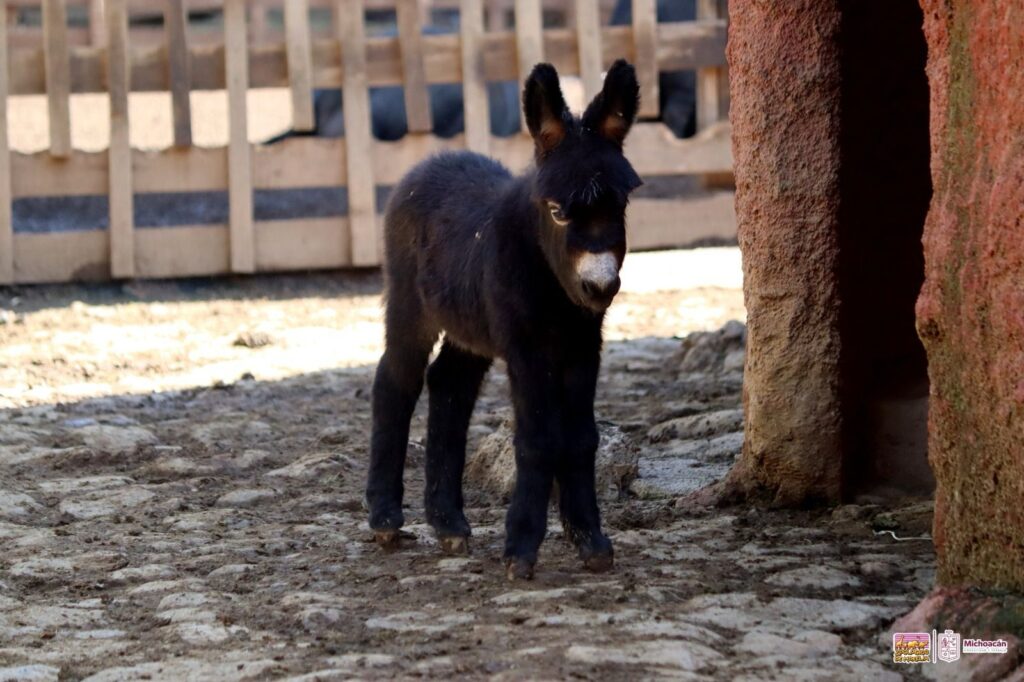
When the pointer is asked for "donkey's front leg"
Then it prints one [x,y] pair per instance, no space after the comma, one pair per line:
[537,444]
[577,497]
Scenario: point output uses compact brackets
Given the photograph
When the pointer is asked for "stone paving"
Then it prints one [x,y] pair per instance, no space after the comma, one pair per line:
[217,532]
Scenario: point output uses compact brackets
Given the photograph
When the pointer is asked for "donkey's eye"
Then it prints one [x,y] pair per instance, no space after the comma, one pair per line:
[557,215]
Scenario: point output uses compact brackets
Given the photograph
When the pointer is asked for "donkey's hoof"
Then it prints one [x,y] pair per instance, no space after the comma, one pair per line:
[518,569]
[599,563]
[389,539]
[457,545]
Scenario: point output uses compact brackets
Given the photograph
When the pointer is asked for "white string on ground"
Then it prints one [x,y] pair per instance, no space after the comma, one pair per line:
[899,539]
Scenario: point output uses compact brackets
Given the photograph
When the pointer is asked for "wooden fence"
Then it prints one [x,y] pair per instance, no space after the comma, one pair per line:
[266,18]
[348,59]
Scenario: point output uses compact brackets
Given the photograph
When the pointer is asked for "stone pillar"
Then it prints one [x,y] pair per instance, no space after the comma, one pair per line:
[971,310]
[784,66]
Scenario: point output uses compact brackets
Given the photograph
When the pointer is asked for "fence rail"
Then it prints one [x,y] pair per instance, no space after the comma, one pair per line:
[266,23]
[246,240]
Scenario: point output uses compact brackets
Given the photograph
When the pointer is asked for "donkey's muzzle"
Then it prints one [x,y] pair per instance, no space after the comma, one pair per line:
[598,277]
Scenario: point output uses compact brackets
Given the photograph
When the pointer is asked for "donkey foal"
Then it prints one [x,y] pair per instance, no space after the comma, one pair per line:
[521,268]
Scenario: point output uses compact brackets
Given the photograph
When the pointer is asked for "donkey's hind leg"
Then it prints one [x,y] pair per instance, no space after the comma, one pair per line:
[396,388]
[453,381]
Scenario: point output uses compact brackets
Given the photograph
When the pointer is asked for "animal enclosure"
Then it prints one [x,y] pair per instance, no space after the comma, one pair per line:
[345,175]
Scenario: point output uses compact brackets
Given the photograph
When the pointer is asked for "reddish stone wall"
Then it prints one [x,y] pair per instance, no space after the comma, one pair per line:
[971,310]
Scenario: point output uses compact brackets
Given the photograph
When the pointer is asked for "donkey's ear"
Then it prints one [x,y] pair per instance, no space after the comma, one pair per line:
[545,108]
[613,111]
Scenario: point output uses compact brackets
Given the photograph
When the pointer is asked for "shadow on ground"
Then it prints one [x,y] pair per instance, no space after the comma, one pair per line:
[218,532]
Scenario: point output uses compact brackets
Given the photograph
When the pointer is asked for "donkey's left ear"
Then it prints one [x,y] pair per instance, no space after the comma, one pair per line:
[613,111]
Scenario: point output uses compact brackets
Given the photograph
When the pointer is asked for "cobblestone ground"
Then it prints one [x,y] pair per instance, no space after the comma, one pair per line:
[180,498]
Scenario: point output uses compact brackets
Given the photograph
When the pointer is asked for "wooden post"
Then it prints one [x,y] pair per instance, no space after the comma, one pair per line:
[362,189]
[6,224]
[712,82]
[414,80]
[97,24]
[476,107]
[58,75]
[300,63]
[423,12]
[236,64]
[588,36]
[529,43]
[645,55]
[122,223]
[179,66]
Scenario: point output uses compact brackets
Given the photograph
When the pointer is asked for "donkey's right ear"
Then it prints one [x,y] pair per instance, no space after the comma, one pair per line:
[545,108]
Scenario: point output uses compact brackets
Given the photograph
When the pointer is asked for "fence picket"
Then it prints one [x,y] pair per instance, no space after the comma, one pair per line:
[645,57]
[236,66]
[97,24]
[300,63]
[56,61]
[410,42]
[529,41]
[6,226]
[122,224]
[362,190]
[712,82]
[476,107]
[179,67]
[588,35]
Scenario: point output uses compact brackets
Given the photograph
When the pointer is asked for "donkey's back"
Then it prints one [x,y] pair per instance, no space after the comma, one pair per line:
[448,196]
[439,235]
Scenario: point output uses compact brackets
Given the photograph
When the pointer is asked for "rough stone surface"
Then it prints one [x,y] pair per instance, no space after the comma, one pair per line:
[493,465]
[246,497]
[814,577]
[784,70]
[698,426]
[969,312]
[717,351]
[30,673]
[115,439]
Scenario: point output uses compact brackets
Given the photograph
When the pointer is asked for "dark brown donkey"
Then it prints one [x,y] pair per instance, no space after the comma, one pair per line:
[521,268]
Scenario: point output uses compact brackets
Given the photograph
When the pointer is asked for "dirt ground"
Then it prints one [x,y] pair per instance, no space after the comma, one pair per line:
[181,466]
